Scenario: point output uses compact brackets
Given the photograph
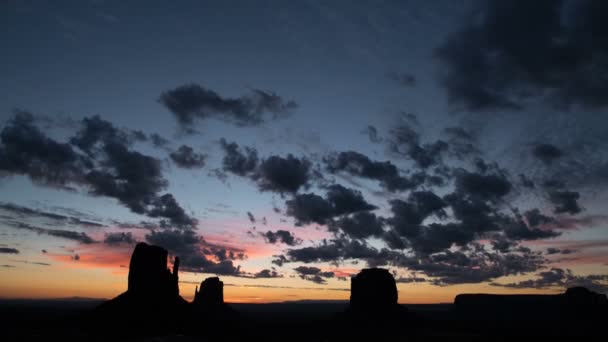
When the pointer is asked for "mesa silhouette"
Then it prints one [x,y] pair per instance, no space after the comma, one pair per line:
[152,306]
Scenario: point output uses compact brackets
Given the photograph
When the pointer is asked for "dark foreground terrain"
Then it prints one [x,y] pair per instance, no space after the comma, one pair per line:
[68,320]
[152,309]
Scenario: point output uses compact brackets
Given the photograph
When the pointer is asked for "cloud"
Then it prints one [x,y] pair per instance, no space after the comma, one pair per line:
[8,250]
[492,186]
[166,207]
[282,175]
[267,273]
[25,150]
[193,102]
[357,164]
[405,141]
[186,158]
[409,215]
[312,208]
[474,265]
[360,225]
[119,238]
[512,53]
[372,134]
[81,237]
[565,201]
[31,262]
[547,153]
[239,161]
[313,274]
[552,250]
[187,245]
[158,140]
[96,132]
[22,212]
[281,236]
[563,278]
[338,250]
[251,217]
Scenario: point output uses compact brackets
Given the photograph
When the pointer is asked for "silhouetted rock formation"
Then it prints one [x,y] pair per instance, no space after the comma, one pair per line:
[581,296]
[211,293]
[575,304]
[373,309]
[373,289]
[152,300]
[148,273]
[208,306]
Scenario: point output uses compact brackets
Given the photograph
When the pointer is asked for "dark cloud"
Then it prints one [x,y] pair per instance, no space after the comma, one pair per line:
[32,262]
[129,176]
[283,174]
[563,278]
[535,218]
[403,78]
[266,273]
[565,201]
[309,208]
[517,51]
[187,245]
[520,231]
[409,280]
[405,141]
[8,250]
[492,186]
[251,217]
[281,236]
[158,140]
[461,142]
[312,208]
[25,213]
[552,250]
[107,168]
[345,200]
[360,225]
[314,274]
[547,153]
[119,238]
[186,158]
[166,207]
[526,182]
[372,134]
[25,150]
[279,260]
[191,102]
[238,161]
[60,233]
[474,265]
[409,215]
[357,164]
[135,180]
[95,132]
[338,250]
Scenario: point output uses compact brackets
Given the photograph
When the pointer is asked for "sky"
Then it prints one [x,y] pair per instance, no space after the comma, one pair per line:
[286,145]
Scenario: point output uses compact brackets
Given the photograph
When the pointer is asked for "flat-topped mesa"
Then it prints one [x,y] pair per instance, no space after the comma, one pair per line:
[577,303]
[373,289]
[149,275]
[211,293]
[581,296]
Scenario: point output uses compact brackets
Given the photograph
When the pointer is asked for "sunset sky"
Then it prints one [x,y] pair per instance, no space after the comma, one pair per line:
[285,145]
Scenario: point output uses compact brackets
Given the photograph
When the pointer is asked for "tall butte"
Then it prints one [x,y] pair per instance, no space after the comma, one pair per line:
[153,291]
